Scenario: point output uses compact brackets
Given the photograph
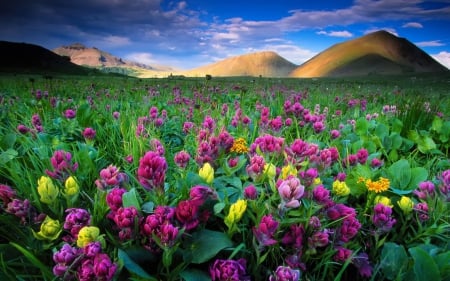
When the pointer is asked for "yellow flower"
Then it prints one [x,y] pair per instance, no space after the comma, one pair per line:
[50,230]
[71,187]
[383,200]
[236,212]
[406,204]
[340,188]
[270,170]
[239,146]
[87,235]
[382,184]
[288,170]
[207,173]
[47,190]
[317,181]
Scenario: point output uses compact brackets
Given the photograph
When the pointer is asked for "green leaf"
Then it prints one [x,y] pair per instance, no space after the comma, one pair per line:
[218,207]
[8,141]
[418,174]
[34,260]
[397,125]
[424,266]
[148,207]
[400,173]
[394,260]
[443,264]
[425,144]
[381,131]
[205,244]
[437,124]
[130,199]
[361,126]
[8,155]
[133,267]
[192,274]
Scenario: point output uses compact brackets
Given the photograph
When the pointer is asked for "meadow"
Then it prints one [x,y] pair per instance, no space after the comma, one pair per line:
[118,178]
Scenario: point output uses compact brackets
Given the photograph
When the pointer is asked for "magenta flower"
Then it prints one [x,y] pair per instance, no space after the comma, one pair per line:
[291,190]
[20,209]
[335,134]
[111,177]
[340,211]
[376,163]
[426,189]
[62,165]
[23,129]
[265,231]
[318,239]
[422,211]
[89,133]
[182,159]
[321,195]
[285,273]
[125,217]
[268,144]
[64,259]
[168,234]
[152,171]
[116,115]
[114,198]
[361,262]
[199,194]
[187,213]
[256,166]
[250,192]
[7,194]
[382,218]
[349,228]
[362,155]
[229,270]
[342,254]
[103,268]
[70,113]
[318,127]
[92,249]
[294,237]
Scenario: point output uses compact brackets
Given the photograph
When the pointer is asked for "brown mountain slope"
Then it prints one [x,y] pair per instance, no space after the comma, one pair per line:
[29,58]
[376,53]
[267,64]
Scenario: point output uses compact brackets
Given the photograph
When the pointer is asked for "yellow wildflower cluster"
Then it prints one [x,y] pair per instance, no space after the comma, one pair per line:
[207,173]
[406,204]
[381,185]
[288,170]
[383,200]
[340,188]
[239,146]
[236,212]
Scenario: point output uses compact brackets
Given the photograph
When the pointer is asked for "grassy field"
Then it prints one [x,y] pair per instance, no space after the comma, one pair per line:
[119,178]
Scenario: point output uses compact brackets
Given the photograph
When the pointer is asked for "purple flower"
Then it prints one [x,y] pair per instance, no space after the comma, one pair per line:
[229,270]
[318,127]
[116,115]
[422,211]
[152,170]
[382,218]
[125,217]
[199,194]
[89,133]
[7,194]
[23,129]
[348,229]
[182,159]
[62,165]
[376,163]
[20,209]
[103,268]
[285,273]
[294,237]
[266,230]
[256,166]
[168,234]
[361,262]
[114,198]
[340,211]
[187,213]
[342,254]
[111,177]
[92,249]
[65,258]
[335,134]
[362,155]
[76,219]
[318,239]
[250,192]
[321,195]
[426,189]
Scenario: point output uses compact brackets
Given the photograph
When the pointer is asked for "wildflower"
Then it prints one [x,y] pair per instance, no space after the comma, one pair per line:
[235,213]
[116,115]
[381,185]
[266,230]
[207,173]
[422,211]
[250,192]
[152,170]
[125,218]
[256,167]
[19,208]
[406,204]
[362,155]
[86,235]
[348,229]
[62,166]
[111,177]
[361,262]
[7,194]
[89,133]
[376,163]
[114,198]
[426,189]
[76,219]
[47,190]
[318,127]
[199,194]
[92,249]
[23,129]
[232,162]
[340,188]
[288,170]
[182,159]
[229,270]
[129,159]
[382,218]
[239,146]
[321,195]
[65,258]
[49,230]
[383,200]
[71,187]
[338,211]
[291,190]
[270,170]
[70,113]
[342,254]
[318,239]
[285,273]
[103,268]
[168,234]
[294,237]
[335,134]
[187,212]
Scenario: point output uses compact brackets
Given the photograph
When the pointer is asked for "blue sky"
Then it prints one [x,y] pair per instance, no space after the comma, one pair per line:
[186,34]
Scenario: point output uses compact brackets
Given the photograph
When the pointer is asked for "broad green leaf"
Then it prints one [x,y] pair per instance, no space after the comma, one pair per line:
[425,144]
[205,244]
[442,261]
[192,274]
[394,260]
[218,207]
[132,266]
[381,131]
[361,126]
[418,174]
[400,173]
[130,199]
[396,141]
[8,141]
[414,136]
[437,124]
[7,156]
[148,207]
[424,266]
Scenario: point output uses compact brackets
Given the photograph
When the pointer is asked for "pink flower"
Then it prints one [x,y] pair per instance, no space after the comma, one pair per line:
[342,254]
[382,218]
[285,273]
[103,268]
[318,239]
[250,192]
[291,190]
[76,219]
[265,231]
[114,198]
[182,159]
[349,228]
[152,170]
[70,113]
[422,211]
[7,194]
[89,133]
[229,270]
[187,213]
[294,237]
[62,165]
[335,134]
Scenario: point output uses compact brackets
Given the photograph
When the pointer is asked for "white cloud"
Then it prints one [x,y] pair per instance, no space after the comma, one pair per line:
[443,57]
[115,41]
[434,43]
[344,33]
[145,58]
[412,25]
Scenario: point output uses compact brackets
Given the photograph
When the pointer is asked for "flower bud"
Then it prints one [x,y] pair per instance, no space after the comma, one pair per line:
[50,230]
[207,173]
[71,187]
[406,204]
[383,200]
[47,190]
[87,235]
[236,212]
[340,188]
[270,170]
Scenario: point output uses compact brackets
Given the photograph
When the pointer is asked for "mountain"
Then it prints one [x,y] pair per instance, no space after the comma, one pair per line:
[267,64]
[29,58]
[93,57]
[379,52]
